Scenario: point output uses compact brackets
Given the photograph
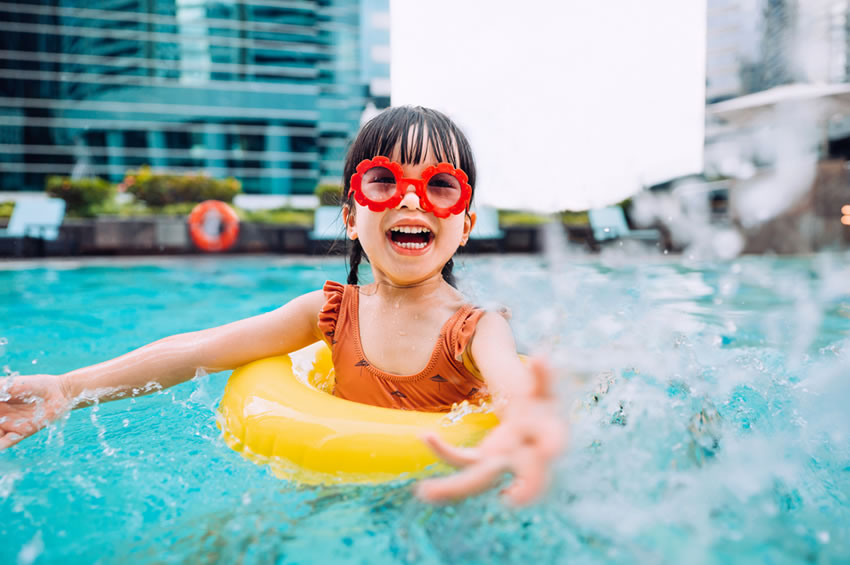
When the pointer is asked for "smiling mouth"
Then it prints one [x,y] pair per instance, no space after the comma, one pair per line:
[410,237]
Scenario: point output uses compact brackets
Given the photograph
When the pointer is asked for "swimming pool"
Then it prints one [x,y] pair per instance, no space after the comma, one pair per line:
[708,409]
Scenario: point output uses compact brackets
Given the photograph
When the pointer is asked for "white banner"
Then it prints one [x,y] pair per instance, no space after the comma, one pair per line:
[568,105]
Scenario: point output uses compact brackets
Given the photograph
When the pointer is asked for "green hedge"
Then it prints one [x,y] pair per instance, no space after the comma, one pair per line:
[329,194]
[509,218]
[575,218]
[6,209]
[280,216]
[83,197]
[158,190]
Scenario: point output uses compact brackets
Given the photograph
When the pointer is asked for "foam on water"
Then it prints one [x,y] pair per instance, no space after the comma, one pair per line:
[706,401]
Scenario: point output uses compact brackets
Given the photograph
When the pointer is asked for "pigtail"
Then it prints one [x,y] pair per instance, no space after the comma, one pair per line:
[354,258]
[448,276]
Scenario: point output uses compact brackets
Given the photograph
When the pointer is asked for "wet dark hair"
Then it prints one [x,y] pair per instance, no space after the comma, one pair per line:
[390,129]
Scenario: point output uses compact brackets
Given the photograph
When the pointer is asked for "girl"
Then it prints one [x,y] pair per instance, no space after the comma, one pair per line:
[408,184]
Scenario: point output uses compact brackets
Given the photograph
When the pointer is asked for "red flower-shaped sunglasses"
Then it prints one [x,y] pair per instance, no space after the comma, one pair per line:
[380,184]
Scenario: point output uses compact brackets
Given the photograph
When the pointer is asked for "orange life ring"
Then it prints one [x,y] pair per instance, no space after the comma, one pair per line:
[228,231]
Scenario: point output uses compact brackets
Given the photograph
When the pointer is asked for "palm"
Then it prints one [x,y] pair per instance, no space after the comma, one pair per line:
[28,404]
[530,436]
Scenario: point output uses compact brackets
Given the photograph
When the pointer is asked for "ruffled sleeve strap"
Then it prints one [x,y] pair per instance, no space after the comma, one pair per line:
[463,330]
[330,311]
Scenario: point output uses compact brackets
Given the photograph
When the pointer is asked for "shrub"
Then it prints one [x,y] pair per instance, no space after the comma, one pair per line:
[83,197]
[575,218]
[329,194]
[157,190]
[279,216]
[519,218]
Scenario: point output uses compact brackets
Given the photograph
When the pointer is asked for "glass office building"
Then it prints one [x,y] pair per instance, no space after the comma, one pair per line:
[267,91]
[754,45]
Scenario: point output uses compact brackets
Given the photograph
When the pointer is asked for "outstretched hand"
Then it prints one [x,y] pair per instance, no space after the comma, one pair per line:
[529,437]
[29,403]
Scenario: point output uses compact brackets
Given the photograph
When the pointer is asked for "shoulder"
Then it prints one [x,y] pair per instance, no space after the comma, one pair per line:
[491,343]
[483,328]
[493,324]
[492,336]
[314,300]
[305,306]
[311,303]
[326,306]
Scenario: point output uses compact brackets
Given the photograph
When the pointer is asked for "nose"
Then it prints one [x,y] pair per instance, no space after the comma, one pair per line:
[410,199]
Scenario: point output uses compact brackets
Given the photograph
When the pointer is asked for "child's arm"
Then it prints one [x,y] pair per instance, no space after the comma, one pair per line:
[529,437]
[28,403]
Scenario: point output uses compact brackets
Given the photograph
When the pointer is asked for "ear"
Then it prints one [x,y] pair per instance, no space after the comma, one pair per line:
[348,220]
[468,224]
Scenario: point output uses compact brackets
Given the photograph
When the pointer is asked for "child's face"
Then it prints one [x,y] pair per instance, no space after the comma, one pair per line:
[405,244]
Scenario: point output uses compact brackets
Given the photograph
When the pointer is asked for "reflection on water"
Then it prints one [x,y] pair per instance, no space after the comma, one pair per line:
[707,405]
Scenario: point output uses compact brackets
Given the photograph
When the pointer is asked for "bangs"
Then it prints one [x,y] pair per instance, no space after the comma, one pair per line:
[413,140]
[413,130]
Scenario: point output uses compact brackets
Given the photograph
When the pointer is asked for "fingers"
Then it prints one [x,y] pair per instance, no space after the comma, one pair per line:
[456,456]
[543,378]
[469,482]
[529,480]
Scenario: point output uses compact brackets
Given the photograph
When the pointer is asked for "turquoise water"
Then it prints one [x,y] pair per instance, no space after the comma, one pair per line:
[707,405]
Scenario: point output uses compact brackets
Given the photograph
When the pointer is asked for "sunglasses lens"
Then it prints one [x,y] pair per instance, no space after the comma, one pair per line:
[379,184]
[444,190]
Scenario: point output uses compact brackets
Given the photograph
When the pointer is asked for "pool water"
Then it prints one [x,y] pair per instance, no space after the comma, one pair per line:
[708,410]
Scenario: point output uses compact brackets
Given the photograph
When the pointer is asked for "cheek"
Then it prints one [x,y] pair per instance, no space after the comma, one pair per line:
[453,229]
[367,223]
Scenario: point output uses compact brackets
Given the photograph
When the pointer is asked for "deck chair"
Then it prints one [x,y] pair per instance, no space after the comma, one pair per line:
[34,221]
[610,223]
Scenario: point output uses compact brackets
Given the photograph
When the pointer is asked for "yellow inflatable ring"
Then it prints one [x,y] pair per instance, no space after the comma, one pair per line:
[270,416]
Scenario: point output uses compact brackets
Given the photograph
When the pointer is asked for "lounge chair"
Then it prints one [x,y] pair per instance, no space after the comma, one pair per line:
[34,222]
[610,224]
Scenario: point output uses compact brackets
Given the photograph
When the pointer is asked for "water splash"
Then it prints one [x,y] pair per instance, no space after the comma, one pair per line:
[31,550]
[694,436]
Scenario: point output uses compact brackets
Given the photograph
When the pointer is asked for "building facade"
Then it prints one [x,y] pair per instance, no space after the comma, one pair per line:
[732,47]
[754,45]
[267,91]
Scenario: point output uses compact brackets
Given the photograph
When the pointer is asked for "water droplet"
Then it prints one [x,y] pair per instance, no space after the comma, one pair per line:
[35,361]
[402,332]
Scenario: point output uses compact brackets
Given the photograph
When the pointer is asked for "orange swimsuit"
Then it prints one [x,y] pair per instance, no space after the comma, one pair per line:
[443,382]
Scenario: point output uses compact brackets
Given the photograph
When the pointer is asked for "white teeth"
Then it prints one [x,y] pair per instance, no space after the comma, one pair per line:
[411,245]
[410,229]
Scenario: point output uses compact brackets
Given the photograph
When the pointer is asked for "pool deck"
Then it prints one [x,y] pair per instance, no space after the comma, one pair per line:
[170,236]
